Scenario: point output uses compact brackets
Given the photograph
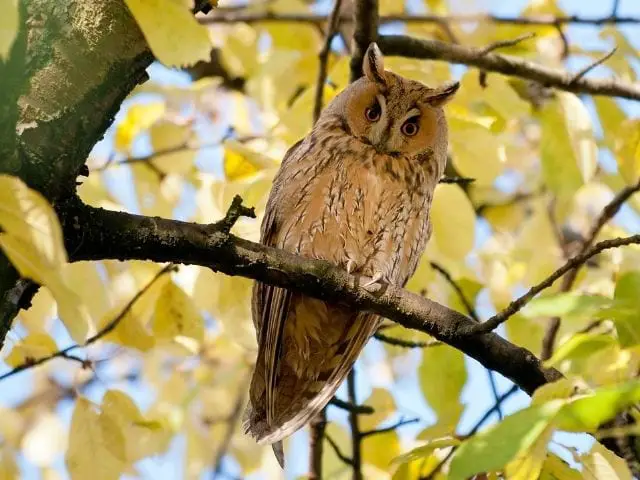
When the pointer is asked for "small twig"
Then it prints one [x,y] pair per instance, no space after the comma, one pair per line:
[593,65]
[356,435]
[323,58]
[398,342]
[107,329]
[317,428]
[608,212]
[520,302]
[564,39]
[337,451]
[458,180]
[235,211]
[463,298]
[350,407]
[390,428]
[505,43]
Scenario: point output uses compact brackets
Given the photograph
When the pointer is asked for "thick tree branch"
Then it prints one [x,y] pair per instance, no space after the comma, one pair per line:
[317,427]
[96,234]
[366,31]
[405,46]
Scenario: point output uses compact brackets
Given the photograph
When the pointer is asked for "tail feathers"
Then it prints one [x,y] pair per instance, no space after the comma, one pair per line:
[278,451]
[254,425]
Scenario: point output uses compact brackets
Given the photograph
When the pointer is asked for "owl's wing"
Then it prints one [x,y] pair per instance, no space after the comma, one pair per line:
[271,304]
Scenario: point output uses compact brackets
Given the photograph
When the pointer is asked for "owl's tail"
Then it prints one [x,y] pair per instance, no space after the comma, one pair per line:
[256,424]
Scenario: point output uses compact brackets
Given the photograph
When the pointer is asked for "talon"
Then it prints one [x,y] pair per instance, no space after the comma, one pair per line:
[377,276]
[351,265]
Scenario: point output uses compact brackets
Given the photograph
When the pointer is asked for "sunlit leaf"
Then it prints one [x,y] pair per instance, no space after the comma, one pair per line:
[138,118]
[381,449]
[96,444]
[453,229]
[172,153]
[580,345]
[426,450]
[565,304]
[176,315]
[175,37]
[493,448]
[241,162]
[627,149]
[383,406]
[33,347]
[9,25]
[602,464]
[528,463]
[555,468]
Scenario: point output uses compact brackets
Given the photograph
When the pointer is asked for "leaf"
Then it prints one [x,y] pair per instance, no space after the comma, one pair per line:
[493,448]
[32,240]
[611,118]
[565,304]
[383,406]
[9,25]
[138,118]
[174,35]
[558,390]
[381,449]
[177,316]
[172,153]
[426,450]
[442,376]
[453,228]
[31,348]
[241,162]
[625,310]
[528,463]
[627,150]
[96,445]
[143,437]
[580,345]
[8,466]
[587,413]
[555,468]
[602,464]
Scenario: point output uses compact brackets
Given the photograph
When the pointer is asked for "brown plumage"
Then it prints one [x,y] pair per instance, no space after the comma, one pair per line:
[356,191]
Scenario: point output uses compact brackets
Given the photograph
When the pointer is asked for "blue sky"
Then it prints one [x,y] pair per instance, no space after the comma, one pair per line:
[477,395]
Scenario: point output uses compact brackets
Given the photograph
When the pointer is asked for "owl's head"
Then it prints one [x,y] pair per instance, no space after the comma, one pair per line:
[393,114]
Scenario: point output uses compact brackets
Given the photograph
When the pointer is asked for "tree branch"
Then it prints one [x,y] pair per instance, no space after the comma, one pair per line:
[409,47]
[96,234]
[323,58]
[356,435]
[390,428]
[366,31]
[317,427]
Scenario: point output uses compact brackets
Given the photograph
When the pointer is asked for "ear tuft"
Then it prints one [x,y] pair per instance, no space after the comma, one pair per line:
[373,64]
[439,96]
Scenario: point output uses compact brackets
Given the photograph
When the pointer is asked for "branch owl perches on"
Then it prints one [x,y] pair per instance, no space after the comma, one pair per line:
[356,191]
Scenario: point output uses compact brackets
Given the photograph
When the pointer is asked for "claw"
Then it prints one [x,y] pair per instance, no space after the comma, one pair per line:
[351,265]
[377,276]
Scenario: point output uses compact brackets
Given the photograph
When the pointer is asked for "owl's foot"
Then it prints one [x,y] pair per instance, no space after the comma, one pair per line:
[351,266]
[374,284]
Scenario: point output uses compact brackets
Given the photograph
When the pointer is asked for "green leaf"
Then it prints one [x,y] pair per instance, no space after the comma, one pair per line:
[625,310]
[587,413]
[579,346]
[602,464]
[555,468]
[442,375]
[9,25]
[565,304]
[493,448]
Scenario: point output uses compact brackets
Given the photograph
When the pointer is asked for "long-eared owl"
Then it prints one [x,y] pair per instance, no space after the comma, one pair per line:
[356,191]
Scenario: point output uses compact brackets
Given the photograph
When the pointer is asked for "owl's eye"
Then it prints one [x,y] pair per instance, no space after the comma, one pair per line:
[373,113]
[410,127]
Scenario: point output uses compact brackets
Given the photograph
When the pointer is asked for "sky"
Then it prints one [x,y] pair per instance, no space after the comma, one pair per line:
[477,395]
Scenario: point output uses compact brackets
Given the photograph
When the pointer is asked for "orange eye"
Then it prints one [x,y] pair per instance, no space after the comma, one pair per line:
[373,113]
[410,127]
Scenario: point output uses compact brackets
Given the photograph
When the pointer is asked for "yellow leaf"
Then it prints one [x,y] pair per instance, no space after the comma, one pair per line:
[557,469]
[174,35]
[176,315]
[130,331]
[8,466]
[242,162]
[383,405]
[32,347]
[381,449]
[453,221]
[143,437]
[528,463]
[96,445]
[627,150]
[41,310]
[170,146]
[9,25]
[611,117]
[138,118]
[602,464]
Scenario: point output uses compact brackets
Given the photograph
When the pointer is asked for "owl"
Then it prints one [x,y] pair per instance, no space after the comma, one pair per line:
[356,191]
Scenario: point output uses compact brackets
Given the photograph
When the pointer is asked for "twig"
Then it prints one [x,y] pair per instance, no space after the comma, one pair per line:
[365,31]
[313,18]
[337,451]
[608,212]
[409,47]
[235,211]
[323,58]
[317,428]
[107,329]
[572,263]
[390,428]
[232,424]
[356,435]
[398,342]
[350,407]
[457,180]
[505,43]
[593,65]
